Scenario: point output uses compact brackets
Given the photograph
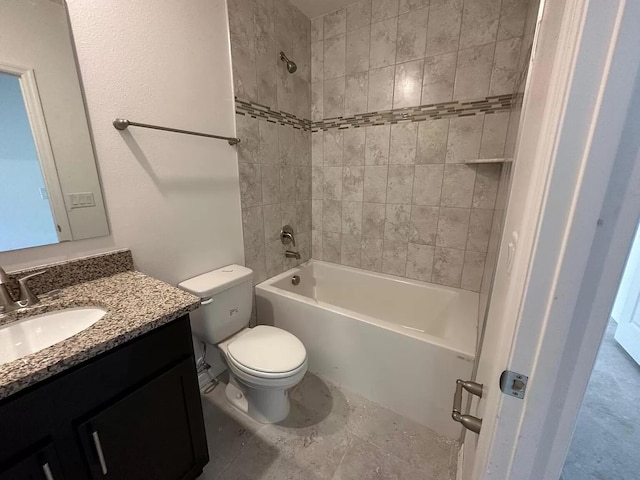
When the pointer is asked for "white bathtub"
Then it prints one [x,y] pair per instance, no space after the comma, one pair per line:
[401,343]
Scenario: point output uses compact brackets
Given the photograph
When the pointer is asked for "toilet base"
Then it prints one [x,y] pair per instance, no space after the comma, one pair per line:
[264,406]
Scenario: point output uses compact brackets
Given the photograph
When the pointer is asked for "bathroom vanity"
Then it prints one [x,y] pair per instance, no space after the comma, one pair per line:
[119,400]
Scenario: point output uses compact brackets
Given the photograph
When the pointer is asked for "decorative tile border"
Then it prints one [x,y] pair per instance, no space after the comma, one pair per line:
[419,113]
[256,110]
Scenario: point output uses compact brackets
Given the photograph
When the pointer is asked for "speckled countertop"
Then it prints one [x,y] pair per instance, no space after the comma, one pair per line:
[135,304]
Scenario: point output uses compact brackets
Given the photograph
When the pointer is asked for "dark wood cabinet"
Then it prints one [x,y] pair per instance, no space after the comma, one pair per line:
[40,464]
[133,412]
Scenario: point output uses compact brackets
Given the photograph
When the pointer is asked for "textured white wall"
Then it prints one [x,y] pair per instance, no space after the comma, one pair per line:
[173,199]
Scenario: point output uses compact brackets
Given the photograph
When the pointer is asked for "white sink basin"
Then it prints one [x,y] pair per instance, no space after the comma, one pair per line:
[36,333]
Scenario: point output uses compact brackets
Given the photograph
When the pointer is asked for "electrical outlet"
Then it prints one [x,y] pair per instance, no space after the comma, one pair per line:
[80,200]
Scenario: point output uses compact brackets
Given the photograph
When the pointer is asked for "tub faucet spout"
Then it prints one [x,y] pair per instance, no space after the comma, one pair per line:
[291,254]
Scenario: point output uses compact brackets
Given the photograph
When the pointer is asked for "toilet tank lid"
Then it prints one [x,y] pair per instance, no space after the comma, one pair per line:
[216,281]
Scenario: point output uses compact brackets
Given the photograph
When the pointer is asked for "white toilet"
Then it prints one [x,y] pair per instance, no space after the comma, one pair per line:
[264,362]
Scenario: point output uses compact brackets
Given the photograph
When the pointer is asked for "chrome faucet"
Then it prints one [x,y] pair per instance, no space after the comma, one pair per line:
[286,235]
[292,254]
[26,297]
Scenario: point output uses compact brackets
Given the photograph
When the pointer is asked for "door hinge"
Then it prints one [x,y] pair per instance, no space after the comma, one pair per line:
[513,383]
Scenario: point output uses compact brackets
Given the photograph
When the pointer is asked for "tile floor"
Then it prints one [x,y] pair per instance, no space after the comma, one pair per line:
[606,441]
[330,434]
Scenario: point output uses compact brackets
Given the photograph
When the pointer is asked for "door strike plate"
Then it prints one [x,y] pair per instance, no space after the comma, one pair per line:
[513,384]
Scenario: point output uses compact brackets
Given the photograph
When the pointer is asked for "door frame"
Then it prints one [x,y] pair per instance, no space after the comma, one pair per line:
[42,142]
[588,205]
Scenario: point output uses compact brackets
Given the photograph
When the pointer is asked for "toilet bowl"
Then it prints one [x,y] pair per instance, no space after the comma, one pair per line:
[264,362]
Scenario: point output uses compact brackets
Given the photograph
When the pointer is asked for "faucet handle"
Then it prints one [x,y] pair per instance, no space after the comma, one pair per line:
[286,235]
[27,297]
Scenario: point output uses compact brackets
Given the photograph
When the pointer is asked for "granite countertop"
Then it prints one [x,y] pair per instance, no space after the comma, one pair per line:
[135,305]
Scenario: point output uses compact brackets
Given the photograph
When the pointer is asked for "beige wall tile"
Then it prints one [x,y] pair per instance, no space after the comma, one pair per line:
[358,14]
[480,20]
[332,216]
[253,227]
[356,93]
[409,5]
[432,141]
[357,50]
[400,183]
[331,247]
[352,183]
[424,225]
[494,135]
[335,23]
[408,84]
[480,224]
[443,27]
[447,266]
[377,139]
[397,224]
[427,185]
[250,184]
[373,220]
[380,89]
[381,9]
[473,72]
[384,36]
[463,141]
[505,66]
[403,144]
[420,262]
[457,185]
[486,187]
[453,226]
[333,147]
[350,250]
[371,254]
[394,258]
[412,35]
[354,145]
[333,97]
[472,270]
[375,184]
[352,218]
[332,183]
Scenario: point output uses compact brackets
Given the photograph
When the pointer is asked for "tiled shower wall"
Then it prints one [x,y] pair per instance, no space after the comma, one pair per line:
[505,178]
[393,192]
[274,153]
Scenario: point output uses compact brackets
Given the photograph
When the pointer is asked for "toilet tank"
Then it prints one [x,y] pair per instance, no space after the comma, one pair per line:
[227,295]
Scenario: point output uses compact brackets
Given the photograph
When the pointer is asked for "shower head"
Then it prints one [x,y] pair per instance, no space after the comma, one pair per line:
[291,66]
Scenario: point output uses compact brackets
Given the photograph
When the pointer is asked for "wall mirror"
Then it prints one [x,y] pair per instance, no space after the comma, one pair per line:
[49,186]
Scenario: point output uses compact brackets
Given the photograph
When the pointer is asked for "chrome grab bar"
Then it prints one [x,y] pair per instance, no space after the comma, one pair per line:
[468,421]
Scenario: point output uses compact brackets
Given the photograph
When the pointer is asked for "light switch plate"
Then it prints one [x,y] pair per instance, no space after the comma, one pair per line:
[80,200]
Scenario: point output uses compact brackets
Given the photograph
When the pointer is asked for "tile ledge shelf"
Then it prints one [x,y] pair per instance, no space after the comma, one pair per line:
[486,160]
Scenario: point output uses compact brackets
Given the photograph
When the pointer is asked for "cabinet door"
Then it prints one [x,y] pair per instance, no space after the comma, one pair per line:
[39,465]
[154,433]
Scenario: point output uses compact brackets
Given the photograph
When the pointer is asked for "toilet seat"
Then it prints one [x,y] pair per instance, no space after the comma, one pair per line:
[267,352]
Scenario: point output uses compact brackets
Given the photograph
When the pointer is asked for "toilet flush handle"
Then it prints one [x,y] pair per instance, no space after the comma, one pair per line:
[207,301]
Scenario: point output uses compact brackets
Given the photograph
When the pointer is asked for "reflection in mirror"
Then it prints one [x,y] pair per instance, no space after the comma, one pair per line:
[49,186]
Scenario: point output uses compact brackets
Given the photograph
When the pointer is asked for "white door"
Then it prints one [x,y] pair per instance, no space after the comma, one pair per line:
[626,309]
[558,269]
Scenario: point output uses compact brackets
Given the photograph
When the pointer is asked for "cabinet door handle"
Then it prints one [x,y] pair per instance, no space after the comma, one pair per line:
[96,442]
[47,471]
